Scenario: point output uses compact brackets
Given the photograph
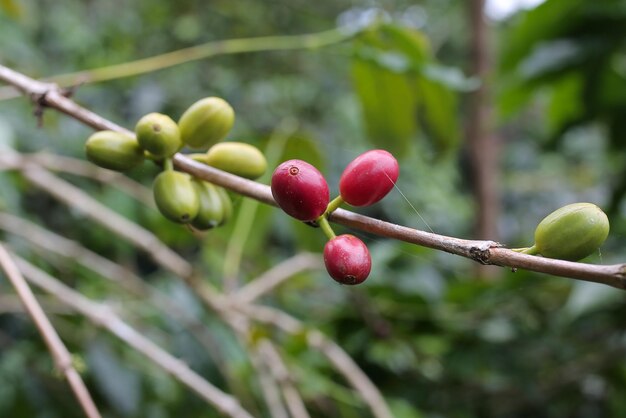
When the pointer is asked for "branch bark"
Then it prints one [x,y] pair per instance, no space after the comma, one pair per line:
[481,251]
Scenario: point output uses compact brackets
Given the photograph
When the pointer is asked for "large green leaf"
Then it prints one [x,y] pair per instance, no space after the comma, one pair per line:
[437,110]
[544,22]
[566,102]
[389,105]
[404,92]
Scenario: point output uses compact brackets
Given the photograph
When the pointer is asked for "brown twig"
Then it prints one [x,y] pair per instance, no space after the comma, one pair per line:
[103,316]
[60,354]
[484,252]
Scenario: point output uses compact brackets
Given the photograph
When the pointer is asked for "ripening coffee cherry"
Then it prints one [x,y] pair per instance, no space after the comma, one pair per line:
[347,259]
[211,210]
[113,150]
[368,178]
[572,232]
[238,158]
[206,122]
[175,196]
[159,135]
[300,190]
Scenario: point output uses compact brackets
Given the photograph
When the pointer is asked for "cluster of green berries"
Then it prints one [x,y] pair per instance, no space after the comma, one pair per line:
[180,197]
[302,192]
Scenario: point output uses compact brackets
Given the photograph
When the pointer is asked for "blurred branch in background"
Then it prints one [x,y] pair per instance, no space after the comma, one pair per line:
[60,354]
[482,146]
[69,165]
[104,317]
[170,59]
[123,277]
[277,275]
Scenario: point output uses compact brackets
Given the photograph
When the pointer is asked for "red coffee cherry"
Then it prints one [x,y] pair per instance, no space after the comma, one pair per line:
[368,178]
[300,190]
[347,259]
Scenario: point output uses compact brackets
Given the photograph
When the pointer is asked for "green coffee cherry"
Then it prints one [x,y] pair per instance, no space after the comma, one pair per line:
[211,211]
[227,204]
[206,122]
[159,135]
[238,158]
[571,233]
[113,150]
[176,197]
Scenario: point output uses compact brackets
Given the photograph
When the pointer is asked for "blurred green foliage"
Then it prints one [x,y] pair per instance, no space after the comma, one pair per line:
[436,340]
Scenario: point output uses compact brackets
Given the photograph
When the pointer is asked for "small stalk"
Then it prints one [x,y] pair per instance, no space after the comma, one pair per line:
[333,205]
[323,223]
[168,164]
[527,250]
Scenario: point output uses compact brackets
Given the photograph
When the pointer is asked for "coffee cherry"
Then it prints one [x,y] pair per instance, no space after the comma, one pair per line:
[368,178]
[211,211]
[159,135]
[227,204]
[113,150]
[300,190]
[176,197]
[347,259]
[206,122]
[571,233]
[238,158]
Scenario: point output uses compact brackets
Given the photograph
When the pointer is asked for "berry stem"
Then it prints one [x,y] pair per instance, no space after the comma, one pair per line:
[334,204]
[168,164]
[323,223]
[527,250]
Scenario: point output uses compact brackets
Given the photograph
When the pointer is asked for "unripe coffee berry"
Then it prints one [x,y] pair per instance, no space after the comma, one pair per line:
[175,196]
[227,204]
[113,150]
[347,259]
[368,178]
[159,135]
[206,122]
[211,210]
[572,232]
[300,190]
[238,158]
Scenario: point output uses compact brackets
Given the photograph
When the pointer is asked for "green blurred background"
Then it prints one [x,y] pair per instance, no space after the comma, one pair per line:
[439,337]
